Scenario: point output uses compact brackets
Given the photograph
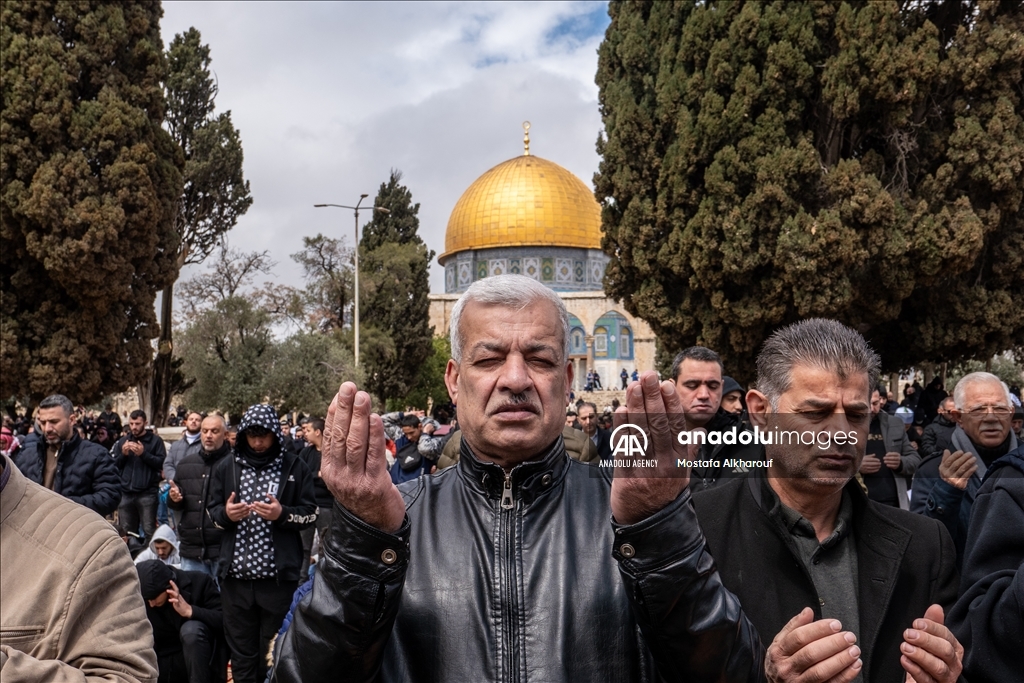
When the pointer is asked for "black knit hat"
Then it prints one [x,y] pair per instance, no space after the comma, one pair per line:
[729,384]
[154,577]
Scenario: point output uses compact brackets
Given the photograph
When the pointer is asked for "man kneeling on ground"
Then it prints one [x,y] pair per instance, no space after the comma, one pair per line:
[188,624]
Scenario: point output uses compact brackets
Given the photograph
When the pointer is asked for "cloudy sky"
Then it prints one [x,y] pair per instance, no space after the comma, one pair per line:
[329,97]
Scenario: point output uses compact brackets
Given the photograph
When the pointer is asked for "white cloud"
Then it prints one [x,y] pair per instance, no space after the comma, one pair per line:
[330,97]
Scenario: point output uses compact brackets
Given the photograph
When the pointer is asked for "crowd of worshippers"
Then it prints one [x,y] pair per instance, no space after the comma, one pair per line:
[892,558]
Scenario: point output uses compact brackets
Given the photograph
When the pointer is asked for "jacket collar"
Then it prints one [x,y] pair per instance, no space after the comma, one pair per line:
[881,544]
[529,479]
[65,447]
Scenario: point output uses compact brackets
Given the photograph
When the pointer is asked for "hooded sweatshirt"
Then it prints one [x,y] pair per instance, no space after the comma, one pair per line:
[163,533]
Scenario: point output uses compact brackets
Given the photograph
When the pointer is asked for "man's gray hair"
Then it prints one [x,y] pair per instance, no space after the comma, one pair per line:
[960,390]
[58,401]
[818,342]
[509,291]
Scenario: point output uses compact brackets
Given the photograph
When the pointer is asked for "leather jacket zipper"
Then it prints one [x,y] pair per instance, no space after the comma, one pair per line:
[509,606]
[506,493]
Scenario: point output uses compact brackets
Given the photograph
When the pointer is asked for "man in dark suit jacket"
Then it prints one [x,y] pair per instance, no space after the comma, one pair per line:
[842,587]
[601,437]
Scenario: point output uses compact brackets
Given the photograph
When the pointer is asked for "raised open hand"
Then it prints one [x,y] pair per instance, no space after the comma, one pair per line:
[353,464]
[640,491]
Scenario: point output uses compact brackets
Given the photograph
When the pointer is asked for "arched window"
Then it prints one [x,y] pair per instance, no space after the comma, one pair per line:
[577,342]
[625,342]
[618,334]
[600,341]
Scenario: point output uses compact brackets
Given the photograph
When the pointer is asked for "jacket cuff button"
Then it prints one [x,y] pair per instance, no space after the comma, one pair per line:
[389,556]
[627,551]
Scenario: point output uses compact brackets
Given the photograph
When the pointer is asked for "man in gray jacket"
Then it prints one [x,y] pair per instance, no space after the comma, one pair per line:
[890,460]
[188,444]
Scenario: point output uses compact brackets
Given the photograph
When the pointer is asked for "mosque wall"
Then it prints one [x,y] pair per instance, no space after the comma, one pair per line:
[592,309]
[564,269]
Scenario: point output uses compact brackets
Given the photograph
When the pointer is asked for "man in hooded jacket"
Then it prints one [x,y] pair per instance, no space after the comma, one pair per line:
[163,547]
[262,496]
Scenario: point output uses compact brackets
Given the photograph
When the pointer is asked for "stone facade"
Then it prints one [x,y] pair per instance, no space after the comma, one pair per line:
[564,269]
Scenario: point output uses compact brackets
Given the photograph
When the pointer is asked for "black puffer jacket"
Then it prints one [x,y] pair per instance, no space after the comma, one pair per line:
[544,588]
[140,473]
[937,437]
[85,472]
[198,535]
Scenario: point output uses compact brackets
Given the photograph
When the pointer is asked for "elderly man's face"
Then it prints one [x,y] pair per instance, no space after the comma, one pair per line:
[986,414]
[945,407]
[56,425]
[819,402]
[513,383]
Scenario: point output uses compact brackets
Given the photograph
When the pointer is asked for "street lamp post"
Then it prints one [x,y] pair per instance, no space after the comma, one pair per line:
[355,263]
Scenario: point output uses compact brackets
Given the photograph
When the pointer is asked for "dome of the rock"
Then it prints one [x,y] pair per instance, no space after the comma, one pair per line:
[525,201]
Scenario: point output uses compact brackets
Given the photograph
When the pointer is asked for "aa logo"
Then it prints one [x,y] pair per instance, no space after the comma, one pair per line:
[629,441]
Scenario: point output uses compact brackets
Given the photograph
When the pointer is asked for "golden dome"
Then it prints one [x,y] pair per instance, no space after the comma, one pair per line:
[526,201]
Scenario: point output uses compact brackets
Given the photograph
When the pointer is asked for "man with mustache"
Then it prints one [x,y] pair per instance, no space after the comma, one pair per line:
[844,588]
[519,563]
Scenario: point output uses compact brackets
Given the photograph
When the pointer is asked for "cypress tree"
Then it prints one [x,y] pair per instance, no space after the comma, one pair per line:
[89,181]
[394,284]
[763,162]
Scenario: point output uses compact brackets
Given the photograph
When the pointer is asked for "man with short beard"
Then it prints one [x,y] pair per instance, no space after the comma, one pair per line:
[189,495]
[188,444]
[140,457]
[844,588]
[65,463]
[889,458]
[946,488]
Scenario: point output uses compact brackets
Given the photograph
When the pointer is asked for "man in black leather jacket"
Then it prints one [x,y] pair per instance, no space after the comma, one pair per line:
[518,564]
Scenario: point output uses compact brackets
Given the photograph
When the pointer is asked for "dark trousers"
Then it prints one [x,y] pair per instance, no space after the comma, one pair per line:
[198,661]
[136,508]
[253,613]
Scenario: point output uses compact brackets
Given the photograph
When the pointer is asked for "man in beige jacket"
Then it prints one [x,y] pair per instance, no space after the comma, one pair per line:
[70,605]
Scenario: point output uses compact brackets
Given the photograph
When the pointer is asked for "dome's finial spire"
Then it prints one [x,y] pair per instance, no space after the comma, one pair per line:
[526,137]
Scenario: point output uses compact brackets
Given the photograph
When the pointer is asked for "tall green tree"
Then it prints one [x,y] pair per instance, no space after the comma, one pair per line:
[228,350]
[215,191]
[308,368]
[89,183]
[226,345]
[394,309]
[763,162]
[327,267]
